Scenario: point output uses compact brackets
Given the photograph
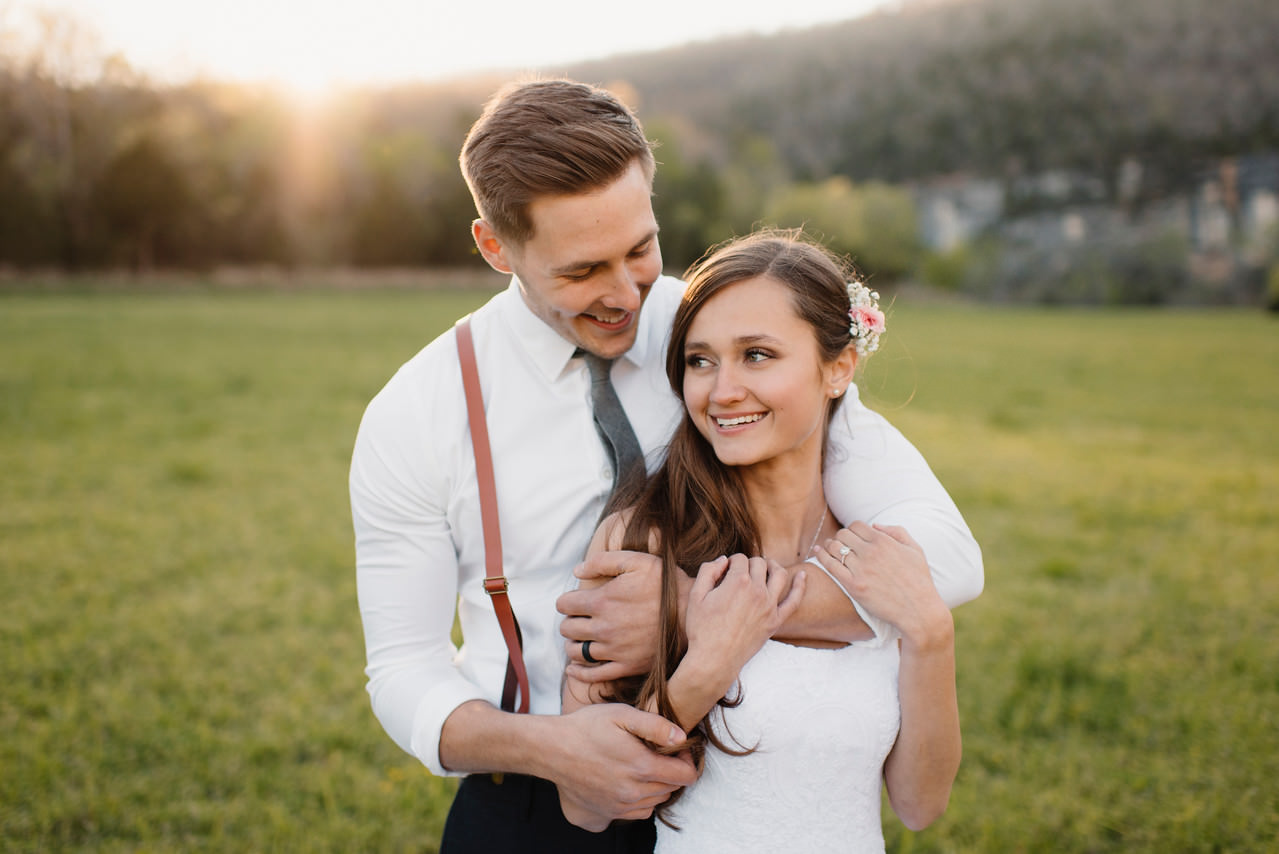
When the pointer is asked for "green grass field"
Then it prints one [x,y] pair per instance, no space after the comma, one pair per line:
[181,655]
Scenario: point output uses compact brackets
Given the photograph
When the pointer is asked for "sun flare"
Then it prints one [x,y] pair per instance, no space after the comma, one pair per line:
[308,49]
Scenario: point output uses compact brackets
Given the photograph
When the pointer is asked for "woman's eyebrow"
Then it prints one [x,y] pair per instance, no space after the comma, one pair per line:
[740,341]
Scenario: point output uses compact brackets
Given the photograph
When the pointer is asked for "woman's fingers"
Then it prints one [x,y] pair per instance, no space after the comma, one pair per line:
[794,595]
[709,575]
[776,579]
[861,531]
[900,534]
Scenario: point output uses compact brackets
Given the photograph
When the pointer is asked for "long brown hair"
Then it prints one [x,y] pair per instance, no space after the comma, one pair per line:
[693,509]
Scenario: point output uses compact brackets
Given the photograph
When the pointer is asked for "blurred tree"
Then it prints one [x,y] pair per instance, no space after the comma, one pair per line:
[65,138]
[873,224]
[144,200]
[412,205]
[688,195]
[232,147]
[1006,89]
[27,225]
[751,176]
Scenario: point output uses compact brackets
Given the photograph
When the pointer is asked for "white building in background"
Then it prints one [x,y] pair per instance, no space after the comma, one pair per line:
[954,210]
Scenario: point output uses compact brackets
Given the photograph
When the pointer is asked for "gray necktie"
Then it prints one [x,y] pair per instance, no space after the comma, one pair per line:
[610,419]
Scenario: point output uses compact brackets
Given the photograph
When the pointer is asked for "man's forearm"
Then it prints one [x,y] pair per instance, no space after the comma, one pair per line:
[825,616]
[478,738]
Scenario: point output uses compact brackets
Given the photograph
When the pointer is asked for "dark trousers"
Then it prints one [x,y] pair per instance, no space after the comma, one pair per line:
[522,815]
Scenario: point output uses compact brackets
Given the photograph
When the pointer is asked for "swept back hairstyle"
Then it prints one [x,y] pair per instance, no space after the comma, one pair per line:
[547,137]
[693,509]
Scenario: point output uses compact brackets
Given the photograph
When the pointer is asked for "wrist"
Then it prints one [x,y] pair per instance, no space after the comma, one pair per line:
[709,670]
[932,632]
[545,746]
[480,738]
[694,690]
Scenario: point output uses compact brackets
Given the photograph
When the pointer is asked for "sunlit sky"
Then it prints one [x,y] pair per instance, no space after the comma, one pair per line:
[311,44]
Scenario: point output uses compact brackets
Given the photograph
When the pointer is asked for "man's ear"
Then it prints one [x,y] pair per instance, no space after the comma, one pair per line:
[491,246]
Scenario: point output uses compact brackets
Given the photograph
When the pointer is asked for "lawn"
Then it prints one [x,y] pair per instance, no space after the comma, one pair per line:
[181,655]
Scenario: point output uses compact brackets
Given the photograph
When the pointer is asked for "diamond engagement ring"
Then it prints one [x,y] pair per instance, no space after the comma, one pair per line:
[843,552]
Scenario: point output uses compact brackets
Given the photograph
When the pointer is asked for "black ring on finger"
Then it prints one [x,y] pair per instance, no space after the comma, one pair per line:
[586,653]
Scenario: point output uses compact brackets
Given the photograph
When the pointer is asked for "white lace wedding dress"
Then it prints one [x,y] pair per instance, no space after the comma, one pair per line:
[822,721]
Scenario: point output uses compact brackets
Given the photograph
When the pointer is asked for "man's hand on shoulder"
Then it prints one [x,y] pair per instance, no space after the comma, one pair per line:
[616,609]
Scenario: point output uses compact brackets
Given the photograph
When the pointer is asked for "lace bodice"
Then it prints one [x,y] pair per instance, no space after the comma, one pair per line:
[822,722]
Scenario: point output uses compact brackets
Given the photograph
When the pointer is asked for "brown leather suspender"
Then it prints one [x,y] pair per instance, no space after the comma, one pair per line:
[495,584]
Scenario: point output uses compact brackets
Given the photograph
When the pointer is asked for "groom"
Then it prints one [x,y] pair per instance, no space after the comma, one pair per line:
[562,177]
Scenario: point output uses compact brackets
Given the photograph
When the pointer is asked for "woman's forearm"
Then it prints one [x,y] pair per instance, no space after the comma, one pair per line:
[695,687]
[923,763]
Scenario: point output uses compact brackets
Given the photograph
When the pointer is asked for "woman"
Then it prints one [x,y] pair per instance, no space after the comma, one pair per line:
[794,741]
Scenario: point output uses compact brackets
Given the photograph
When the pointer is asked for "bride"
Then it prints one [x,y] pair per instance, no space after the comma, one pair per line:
[794,741]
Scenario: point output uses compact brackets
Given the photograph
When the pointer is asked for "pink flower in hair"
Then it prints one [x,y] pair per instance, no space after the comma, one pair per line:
[869,319]
[865,320]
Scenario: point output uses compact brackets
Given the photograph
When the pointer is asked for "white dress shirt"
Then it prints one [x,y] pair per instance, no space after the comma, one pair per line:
[415,506]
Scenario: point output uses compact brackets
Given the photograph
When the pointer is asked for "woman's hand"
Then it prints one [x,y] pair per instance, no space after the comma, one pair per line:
[884,569]
[735,605]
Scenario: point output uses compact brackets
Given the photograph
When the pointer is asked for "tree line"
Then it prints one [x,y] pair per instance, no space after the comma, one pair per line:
[823,127]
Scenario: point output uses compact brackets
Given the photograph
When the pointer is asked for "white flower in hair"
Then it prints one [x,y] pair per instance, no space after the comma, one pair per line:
[866,321]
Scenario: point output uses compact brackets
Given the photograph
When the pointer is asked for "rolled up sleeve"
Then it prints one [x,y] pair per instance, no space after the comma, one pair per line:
[407,580]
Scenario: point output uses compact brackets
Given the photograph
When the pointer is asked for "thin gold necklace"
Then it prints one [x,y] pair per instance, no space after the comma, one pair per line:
[821,521]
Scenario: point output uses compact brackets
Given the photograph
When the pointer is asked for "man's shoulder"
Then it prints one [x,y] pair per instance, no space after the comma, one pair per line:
[421,375]
[665,294]
[435,368]
[659,311]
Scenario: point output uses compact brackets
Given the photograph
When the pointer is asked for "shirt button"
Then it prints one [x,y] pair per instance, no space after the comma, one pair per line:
[606,473]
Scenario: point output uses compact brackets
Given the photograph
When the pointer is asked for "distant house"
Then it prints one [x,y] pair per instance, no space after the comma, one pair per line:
[955,209]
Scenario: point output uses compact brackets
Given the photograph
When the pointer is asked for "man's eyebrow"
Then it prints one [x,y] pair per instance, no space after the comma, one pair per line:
[575,267]
[586,265]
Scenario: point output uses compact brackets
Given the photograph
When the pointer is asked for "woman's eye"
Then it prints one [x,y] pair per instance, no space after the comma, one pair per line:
[756,355]
[696,361]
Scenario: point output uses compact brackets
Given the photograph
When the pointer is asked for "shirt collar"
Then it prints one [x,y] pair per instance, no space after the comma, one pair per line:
[545,347]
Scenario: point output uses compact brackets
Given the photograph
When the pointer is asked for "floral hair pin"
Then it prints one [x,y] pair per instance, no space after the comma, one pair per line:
[866,321]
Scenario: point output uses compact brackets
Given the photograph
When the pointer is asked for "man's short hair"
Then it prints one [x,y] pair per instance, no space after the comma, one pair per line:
[547,138]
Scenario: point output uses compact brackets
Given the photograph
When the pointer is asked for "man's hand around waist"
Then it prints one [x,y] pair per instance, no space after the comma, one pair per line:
[605,769]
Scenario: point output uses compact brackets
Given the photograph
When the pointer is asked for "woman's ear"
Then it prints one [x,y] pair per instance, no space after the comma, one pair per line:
[491,246]
[839,373]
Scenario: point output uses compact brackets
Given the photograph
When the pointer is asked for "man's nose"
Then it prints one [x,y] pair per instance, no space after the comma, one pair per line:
[624,290]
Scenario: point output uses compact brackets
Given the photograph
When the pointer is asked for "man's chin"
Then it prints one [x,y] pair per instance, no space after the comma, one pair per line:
[606,343]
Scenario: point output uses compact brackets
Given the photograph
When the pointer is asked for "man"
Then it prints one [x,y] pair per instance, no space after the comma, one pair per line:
[562,177]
